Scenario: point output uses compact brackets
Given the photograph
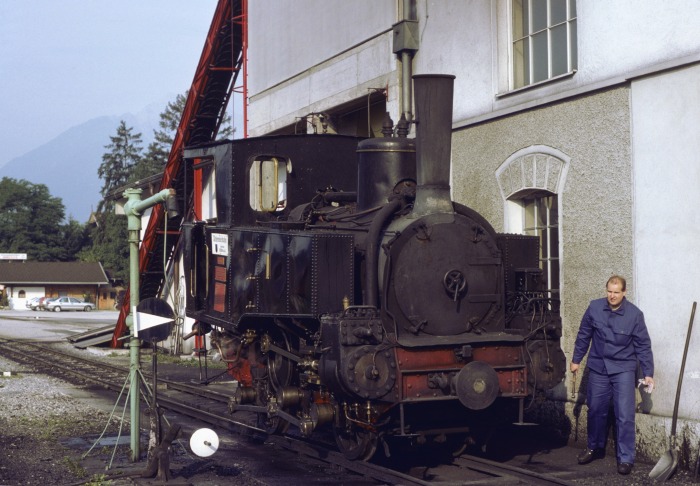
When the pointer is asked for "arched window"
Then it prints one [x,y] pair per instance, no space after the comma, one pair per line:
[530,182]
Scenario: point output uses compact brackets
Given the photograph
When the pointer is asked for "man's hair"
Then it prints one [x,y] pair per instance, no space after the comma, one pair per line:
[616,279]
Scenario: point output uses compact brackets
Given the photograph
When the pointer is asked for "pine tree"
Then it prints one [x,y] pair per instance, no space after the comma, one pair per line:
[158,151]
[110,244]
[117,164]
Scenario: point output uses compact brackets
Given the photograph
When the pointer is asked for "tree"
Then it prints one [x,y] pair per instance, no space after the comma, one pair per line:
[110,244]
[76,237]
[153,162]
[169,121]
[117,164]
[31,222]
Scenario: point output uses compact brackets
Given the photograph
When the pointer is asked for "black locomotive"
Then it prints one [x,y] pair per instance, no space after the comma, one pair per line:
[348,292]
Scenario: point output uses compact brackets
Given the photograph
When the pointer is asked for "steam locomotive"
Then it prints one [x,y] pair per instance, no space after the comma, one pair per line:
[348,292]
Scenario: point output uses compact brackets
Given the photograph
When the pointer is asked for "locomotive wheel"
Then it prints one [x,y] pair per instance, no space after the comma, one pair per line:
[272,425]
[280,370]
[273,373]
[356,444]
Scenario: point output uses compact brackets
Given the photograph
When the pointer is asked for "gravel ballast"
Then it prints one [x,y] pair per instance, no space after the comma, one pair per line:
[38,418]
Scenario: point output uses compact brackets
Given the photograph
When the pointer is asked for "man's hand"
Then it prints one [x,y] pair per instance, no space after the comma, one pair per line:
[574,368]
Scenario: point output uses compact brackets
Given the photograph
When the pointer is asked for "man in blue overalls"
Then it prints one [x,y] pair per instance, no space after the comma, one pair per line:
[618,338]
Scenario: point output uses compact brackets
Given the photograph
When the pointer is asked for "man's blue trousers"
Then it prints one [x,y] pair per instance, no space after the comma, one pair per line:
[601,388]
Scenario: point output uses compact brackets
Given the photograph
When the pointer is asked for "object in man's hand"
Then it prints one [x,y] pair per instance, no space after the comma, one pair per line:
[641,384]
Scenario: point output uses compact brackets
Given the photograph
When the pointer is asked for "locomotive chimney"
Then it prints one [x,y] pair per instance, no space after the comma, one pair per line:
[433,100]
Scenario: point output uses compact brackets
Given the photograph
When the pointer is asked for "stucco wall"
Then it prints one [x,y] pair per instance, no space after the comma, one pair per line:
[595,203]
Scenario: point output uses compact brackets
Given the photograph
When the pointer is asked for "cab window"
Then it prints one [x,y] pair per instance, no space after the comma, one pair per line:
[268,184]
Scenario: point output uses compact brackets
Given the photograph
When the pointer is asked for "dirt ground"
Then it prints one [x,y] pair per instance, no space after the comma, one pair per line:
[57,433]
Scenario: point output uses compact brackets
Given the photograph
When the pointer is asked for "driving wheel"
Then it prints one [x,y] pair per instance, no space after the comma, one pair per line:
[272,372]
[356,443]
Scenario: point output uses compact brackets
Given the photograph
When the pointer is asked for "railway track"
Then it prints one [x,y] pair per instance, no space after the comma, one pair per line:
[209,404]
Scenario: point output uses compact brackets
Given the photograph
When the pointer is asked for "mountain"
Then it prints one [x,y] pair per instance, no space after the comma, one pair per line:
[68,164]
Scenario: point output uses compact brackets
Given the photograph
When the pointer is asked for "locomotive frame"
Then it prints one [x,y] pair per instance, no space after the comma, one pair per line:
[346,290]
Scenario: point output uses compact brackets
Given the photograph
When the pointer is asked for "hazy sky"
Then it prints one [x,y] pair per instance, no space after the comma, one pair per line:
[63,62]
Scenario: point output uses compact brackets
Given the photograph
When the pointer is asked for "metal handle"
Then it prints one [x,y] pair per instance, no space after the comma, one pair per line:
[206,276]
[680,376]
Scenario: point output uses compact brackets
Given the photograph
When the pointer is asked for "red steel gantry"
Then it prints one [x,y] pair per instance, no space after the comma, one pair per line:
[222,62]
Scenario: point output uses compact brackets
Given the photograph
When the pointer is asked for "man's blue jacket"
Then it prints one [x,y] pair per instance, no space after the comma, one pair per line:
[618,339]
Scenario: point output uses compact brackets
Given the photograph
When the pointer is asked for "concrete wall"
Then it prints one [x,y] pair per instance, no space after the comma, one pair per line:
[456,38]
[310,56]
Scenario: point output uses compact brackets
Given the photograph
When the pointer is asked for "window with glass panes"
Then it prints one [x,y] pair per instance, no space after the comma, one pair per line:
[541,214]
[543,40]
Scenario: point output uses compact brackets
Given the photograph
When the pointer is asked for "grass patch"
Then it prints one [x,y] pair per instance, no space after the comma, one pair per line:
[98,480]
[75,469]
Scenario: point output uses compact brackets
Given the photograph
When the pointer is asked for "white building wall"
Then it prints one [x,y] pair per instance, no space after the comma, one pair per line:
[622,36]
[666,170]
[17,303]
[308,56]
[288,37]
[457,38]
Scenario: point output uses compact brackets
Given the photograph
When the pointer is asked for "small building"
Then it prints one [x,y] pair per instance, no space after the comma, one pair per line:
[22,281]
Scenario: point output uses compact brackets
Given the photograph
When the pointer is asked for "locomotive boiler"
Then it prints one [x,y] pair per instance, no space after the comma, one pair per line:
[347,291]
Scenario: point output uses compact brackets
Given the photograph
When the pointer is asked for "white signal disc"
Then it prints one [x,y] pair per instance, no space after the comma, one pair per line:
[204,442]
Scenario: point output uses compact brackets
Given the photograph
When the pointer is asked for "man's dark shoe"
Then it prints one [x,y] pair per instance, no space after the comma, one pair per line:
[624,468]
[589,455]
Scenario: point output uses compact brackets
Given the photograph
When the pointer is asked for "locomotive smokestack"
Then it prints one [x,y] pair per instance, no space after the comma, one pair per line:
[433,100]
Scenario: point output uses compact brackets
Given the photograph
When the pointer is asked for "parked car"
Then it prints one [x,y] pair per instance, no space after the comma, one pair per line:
[69,304]
[41,305]
[33,303]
